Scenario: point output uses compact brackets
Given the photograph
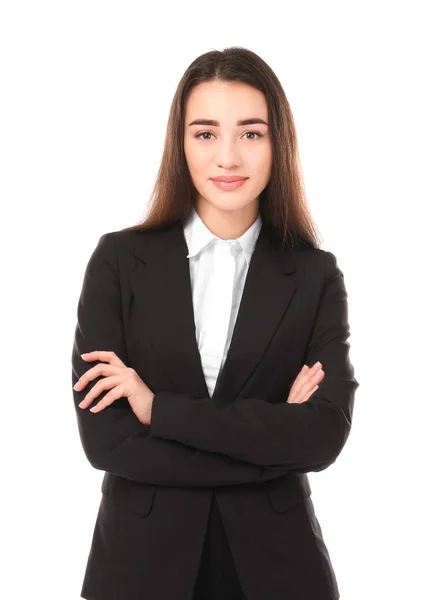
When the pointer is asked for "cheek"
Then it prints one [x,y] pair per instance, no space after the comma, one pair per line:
[266,164]
[260,167]
[197,161]
[259,157]
[267,169]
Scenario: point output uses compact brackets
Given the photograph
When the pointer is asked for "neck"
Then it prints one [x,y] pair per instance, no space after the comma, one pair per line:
[227,224]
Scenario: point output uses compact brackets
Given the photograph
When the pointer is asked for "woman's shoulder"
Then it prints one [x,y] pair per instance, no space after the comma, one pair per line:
[134,242]
[317,263]
[311,255]
[130,236]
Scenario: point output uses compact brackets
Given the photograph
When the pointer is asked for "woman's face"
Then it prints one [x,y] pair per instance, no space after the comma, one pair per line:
[226,147]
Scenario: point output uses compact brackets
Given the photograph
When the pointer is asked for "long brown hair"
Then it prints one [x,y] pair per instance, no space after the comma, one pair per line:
[282,203]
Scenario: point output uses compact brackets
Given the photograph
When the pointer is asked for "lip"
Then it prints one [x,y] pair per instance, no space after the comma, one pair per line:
[229,185]
[228,178]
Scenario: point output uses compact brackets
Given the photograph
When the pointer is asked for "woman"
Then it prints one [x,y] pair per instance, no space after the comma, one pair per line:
[218,371]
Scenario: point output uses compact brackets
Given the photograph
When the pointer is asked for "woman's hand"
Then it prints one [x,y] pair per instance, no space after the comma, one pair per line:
[120,380]
[306,383]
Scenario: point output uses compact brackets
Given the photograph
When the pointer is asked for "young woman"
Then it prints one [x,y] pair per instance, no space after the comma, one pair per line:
[216,371]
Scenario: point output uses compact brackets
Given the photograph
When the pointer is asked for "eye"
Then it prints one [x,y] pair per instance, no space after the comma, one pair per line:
[257,133]
[203,133]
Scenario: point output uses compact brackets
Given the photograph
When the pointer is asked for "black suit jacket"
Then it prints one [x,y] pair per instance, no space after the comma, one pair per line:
[245,444]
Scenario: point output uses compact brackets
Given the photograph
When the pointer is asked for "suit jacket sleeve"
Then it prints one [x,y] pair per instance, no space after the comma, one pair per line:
[114,440]
[297,437]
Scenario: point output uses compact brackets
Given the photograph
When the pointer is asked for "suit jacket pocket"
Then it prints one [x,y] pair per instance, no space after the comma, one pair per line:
[132,495]
[288,491]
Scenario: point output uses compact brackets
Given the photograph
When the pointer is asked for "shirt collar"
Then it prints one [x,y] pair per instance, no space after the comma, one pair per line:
[198,235]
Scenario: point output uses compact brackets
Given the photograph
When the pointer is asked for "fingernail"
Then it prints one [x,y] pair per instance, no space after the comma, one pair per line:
[76,385]
[317,364]
[81,403]
[94,408]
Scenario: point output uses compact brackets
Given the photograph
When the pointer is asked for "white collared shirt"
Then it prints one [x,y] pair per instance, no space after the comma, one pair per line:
[218,269]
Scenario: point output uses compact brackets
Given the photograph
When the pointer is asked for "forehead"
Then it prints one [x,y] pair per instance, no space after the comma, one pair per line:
[226,102]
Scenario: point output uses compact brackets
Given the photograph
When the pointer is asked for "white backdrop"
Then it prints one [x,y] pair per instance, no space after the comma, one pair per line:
[85,93]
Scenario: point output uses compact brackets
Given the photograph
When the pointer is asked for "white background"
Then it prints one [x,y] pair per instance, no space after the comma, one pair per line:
[85,93]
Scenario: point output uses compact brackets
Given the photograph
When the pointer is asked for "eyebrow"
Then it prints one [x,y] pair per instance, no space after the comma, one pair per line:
[214,123]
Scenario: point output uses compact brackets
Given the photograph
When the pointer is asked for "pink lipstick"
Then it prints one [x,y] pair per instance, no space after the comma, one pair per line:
[229,182]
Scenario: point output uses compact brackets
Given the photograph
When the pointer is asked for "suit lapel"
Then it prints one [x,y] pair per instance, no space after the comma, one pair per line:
[161,284]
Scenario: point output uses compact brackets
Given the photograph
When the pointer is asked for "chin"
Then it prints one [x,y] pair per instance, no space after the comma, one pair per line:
[229,203]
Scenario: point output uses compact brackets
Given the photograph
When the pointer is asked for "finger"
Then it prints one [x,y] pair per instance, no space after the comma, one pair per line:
[105,356]
[308,386]
[114,394]
[305,386]
[298,380]
[104,384]
[309,394]
[303,377]
[97,371]
[299,399]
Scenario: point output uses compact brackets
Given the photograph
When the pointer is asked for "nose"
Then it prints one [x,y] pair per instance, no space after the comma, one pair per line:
[227,154]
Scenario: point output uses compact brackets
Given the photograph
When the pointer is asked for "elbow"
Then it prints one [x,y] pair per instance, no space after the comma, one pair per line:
[336,437]
[93,453]
[331,435]
[317,436]
[96,461]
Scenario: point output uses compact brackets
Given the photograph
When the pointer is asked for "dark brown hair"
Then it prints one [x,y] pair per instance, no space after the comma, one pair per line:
[282,203]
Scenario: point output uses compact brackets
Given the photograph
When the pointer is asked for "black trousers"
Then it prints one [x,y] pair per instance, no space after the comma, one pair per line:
[217,578]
